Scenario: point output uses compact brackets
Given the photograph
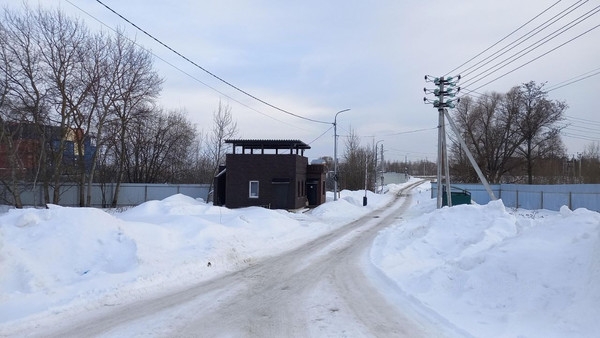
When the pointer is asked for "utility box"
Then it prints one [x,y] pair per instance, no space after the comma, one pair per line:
[459,196]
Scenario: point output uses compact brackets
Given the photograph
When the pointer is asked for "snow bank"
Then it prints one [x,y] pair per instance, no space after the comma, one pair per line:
[60,258]
[482,269]
[494,272]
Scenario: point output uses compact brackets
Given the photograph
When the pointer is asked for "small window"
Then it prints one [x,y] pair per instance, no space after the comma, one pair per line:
[253,189]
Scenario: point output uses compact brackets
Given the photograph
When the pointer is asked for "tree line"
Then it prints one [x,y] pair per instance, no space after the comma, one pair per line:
[514,138]
[81,106]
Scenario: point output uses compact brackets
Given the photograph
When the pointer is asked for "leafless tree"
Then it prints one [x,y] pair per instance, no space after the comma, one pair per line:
[92,114]
[505,132]
[537,124]
[224,127]
[63,50]
[28,91]
[487,126]
[136,88]
[158,147]
[357,161]
[590,163]
[10,126]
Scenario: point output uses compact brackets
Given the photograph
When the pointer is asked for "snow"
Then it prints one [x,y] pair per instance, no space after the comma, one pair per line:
[483,269]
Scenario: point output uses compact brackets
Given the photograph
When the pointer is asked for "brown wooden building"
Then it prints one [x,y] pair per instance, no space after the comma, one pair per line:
[269,173]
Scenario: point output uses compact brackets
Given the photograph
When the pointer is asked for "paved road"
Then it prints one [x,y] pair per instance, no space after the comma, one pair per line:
[318,289]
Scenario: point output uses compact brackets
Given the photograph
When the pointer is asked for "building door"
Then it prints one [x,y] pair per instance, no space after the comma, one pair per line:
[280,195]
[312,192]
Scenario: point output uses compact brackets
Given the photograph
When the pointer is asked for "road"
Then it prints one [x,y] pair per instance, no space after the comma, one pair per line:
[318,289]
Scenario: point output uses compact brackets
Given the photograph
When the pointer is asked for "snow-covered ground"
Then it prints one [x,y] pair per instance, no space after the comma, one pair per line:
[484,270]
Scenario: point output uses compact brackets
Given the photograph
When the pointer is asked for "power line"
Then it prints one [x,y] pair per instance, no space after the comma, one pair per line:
[206,70]
[583,120]
[538,57]
[325,132]
[511,59]
[504,38]
[181,70]
[514,44]
[528,49]
[574,80]
[583,129]
[410,131]
[580,137]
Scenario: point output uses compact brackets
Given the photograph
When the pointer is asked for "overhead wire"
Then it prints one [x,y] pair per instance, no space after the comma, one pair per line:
[504,38]
[530,34]
[318,137]
[577,128]
[583,129]
[583,120]
[538,57]
[181,70]
[507,61]
[580,137]
[574,80]
[207,71]
[469,89]
[410,131]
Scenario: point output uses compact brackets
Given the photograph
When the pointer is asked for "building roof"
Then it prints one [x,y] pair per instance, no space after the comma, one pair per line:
[269,144]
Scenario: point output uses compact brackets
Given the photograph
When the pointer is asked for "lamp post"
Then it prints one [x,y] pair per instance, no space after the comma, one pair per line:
[376,166]
[335,161]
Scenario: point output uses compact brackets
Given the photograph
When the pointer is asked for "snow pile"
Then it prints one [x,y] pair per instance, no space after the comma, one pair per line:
[61,258]
[493,272]
[483,270]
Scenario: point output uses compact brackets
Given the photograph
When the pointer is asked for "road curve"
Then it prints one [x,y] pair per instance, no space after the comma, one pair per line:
[317,289]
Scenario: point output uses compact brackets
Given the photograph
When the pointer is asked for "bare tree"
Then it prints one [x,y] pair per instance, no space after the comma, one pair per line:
[506,131]
[92,114]
[158,147]
[136,88]
[537,125]
[10,126]
[224,127]
[590,163]
[63,49]
[487,126]
[27,87]
[357,162]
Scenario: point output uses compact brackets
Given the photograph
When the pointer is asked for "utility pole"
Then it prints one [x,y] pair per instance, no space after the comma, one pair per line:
[382,167]
[446,88]
[335,160]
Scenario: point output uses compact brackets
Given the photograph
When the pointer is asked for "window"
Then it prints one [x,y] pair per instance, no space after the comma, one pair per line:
[253,189]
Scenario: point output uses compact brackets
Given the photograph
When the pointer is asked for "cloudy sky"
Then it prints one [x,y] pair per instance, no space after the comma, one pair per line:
[315,58]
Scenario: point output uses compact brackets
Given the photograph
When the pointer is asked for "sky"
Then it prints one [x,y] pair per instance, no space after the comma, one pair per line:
[316,58]
[460,269]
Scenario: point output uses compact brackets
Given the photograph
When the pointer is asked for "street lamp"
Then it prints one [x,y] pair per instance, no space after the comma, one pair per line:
[376,166]
[335,161]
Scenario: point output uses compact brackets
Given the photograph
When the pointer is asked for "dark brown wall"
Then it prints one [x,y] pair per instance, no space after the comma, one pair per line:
[243,168]
[317,172]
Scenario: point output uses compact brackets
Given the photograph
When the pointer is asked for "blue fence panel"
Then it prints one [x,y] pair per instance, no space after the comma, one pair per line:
[555,200]
[551,197]
[102,194]
[585,200]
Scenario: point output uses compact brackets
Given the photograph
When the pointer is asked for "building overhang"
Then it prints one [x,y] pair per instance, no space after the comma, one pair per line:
[296,146]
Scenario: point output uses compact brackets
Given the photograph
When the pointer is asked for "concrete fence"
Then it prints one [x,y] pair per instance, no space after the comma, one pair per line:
[550,197]
[130,193]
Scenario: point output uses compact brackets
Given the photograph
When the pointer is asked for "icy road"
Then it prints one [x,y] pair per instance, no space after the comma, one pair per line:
[318,289]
